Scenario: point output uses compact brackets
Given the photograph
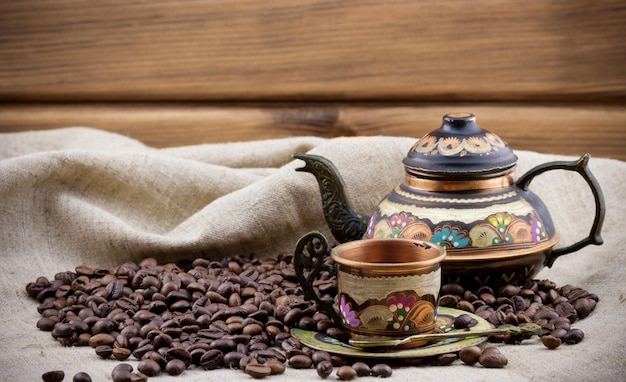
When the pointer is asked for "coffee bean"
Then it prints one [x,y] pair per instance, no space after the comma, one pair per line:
[382,370]
[346,373]
[449,300]
[452,289]
[470,354]
[149,367]
[276,366]
[232,359]
[46,324]
[558,333]
[252,329]
[462,321]
[175,367]
[122,373]
[445,359]
[81,377]
[178,353]
[583,307]
[212,359]
[551,342]
[104,351]
[300,361]
[121,354]
[324,368]
[225,345]
[492,358]
[466,306]
[362,369]
[101,339]
[62,330]
[573,336]
[53,376]
[258,371]
[319,356]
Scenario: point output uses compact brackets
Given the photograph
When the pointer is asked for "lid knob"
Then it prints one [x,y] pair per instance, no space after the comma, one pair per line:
[461,123]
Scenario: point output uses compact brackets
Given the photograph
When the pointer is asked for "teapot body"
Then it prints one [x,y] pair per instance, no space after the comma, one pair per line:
[477,228]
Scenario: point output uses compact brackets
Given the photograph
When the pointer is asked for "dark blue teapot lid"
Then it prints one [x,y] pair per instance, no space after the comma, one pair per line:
[460,149]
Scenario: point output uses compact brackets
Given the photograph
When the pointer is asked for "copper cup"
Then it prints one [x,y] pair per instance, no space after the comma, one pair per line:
[385,287]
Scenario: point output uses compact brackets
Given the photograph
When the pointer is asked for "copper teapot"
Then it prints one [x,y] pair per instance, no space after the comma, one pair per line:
[459,192]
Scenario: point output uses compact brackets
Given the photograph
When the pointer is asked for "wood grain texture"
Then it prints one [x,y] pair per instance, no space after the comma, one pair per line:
[557,128]
[485,50]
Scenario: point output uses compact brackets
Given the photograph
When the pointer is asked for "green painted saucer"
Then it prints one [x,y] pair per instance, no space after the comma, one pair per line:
[445,323]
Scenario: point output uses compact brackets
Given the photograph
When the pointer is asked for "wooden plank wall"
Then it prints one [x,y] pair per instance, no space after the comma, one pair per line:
[548,76]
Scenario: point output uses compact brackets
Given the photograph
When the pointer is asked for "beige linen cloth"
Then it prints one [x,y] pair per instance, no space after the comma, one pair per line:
[83,196]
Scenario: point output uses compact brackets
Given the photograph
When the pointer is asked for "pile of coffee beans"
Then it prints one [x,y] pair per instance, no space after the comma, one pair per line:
[237,312]
[554,308]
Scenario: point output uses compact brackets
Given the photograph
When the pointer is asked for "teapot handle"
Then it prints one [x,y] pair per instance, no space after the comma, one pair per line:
[308,262]
[579,166]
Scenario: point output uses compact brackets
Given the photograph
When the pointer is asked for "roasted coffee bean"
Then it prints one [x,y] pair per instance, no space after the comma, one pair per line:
[382,370]
[324,369]
[268,354]
[470,354]
[104,351]
[212,359]
[453,289]
[492,358]
[551,342]
[583,307]
[488,298]
[175,367]
[232,359]
[149,367]
[62,330]
[466,306]
[508,290]
[445,359]
[252,329]
[276,366]
[362,369]
[258,371]
[122,373]
[449,300]
[121,354]
[53,376]
[101,339]
[46,324]
[178,353]
[319,356]
[300,361]
[558,332]
[337,333]
[81,377]
[573,336]
[462,321]
[346,373]
[225,345]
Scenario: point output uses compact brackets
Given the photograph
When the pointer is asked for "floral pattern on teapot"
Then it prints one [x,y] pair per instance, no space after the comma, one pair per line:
[496,230]
[448,146]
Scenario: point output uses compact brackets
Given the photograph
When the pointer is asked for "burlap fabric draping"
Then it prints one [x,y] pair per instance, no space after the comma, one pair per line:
[82,196]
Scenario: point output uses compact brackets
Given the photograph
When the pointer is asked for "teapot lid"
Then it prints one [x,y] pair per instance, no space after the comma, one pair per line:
[460,148]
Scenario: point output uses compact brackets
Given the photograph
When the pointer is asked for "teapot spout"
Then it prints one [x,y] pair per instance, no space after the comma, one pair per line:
[345,224]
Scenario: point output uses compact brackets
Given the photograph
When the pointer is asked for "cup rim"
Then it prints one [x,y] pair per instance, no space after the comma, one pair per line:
[437,256]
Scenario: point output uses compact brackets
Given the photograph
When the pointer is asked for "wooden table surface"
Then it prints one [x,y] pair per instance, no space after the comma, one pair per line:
[545,76]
